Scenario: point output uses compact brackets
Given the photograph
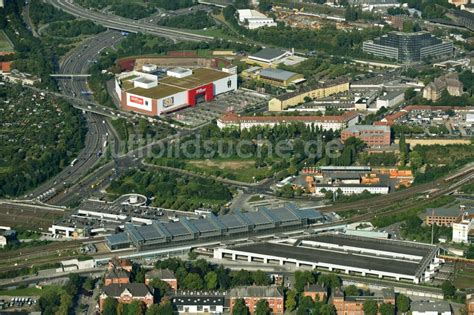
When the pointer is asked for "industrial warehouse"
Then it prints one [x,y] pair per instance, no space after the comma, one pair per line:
[350,254]
[155,92]
[265,220]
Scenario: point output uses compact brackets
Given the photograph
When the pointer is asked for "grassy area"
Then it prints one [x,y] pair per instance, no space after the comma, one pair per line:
[5,43]
[33,291]
[464,276]
[241,170]
[213,32]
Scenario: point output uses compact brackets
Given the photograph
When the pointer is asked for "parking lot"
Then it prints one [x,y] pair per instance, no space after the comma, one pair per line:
[17,303]
[438,123]
[205,112]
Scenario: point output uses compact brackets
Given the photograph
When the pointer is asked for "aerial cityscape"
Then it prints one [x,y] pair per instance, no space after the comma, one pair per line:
[239,157]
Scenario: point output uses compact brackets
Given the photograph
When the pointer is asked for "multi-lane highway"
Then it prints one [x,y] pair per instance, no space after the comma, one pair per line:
[123,24]
[79,61]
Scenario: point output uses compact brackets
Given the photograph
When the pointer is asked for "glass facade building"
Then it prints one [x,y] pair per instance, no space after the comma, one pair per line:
[408,47]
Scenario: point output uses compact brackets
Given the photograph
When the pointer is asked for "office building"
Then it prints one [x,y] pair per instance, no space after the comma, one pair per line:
[450,83]
[447,216]
[390,99]
[373,136]
[463,229]
[408,47]
[317,91]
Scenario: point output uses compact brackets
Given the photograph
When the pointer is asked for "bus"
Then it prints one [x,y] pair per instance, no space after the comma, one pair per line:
[73,162]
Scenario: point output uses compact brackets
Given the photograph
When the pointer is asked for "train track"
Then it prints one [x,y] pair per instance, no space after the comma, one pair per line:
[402,195]
[450,184]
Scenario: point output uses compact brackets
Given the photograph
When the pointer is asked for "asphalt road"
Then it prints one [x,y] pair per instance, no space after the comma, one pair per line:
[79,61]
[123,24]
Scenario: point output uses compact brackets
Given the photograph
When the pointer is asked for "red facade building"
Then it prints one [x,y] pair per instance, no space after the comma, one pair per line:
[127,293]
[251,296]
[354,305]
[373,136]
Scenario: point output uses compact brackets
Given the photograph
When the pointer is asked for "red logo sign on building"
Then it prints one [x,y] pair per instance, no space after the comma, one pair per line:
[136,100]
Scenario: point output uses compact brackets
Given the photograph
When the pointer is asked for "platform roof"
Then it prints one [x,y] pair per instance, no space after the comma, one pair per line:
[332,257]
[374,244]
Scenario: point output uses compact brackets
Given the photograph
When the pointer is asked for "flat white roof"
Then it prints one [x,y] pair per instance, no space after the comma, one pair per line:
[250,14]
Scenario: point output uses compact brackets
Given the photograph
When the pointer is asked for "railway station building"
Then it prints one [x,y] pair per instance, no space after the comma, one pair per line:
[350,254]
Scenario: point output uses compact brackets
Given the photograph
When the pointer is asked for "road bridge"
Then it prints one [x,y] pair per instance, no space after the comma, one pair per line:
[69,75]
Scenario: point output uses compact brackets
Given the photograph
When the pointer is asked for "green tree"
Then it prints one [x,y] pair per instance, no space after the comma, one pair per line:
[448,289]
[415,159]
[403,150]
[290,302]
[160,285]
[469,254]
[262,308]
[240,308]
[351,290]
[261,278]
[409,94]
[305,306]
[303,278]
[136,308]
[211,280]
[110,306]
[154,309]
[241,277]
[327,309]
[330,280]
[65,304]
[192,255]
[387,309]
[403,303]
[164,308]
[370,307]
[193,281]
[88,284]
